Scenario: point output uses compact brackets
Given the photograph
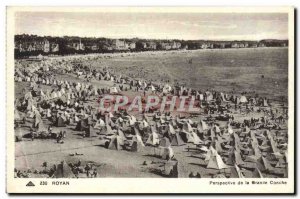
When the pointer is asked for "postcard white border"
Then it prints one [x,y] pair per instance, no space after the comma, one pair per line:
[143,185]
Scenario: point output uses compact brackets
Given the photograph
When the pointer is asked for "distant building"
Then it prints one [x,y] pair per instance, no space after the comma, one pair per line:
[151,45]
[33,45]
[185,47]
[204,46]
[132,45]
[41,45]
[54,47]
[92,47]
[254,45]
[119,45]
[175,45]
[222,45]
[235,45]
[166,46]
[46,46]
[76,45]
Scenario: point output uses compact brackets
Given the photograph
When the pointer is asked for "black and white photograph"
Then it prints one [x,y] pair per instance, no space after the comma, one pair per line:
[151,94]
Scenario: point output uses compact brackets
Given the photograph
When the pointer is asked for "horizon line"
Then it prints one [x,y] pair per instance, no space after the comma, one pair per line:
[97,37]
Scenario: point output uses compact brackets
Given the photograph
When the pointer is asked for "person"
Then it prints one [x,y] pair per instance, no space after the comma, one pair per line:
[59,137]
[78,163]
[50,130]
[87,169]
[95,173]
[31,134]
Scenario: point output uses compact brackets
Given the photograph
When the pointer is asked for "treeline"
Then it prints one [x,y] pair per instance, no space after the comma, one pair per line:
[33,45]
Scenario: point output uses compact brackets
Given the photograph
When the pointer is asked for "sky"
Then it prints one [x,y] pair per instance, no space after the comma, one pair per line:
[186,26]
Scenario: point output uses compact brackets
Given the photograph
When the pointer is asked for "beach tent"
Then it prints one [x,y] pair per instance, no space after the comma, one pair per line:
[209,96]
[194,138]
[238,170]
[281,163]
[176,140]
[171,169]
[99,124]
[82,125]
[243,99]
[211,152]
[136,145]
[18,134]
[138,139]
[63,171]
[115,143]
[113,90]
[171,130]
[223,97]
[164,142]
[238,158]
[229,129]
[202,126]
[145,124]
[187,127]
[167,88]
[166,153]
[152,88]
[59,122]
[216,162]
[265,103]
[17,116]
[218,146]
[153,139]
[216,129]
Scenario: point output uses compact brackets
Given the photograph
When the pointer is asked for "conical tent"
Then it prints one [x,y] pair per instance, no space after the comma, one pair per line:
[166,152]
[216,162]
[218,147]
[211,152]
[137,144]
[82,125]
[113,90]
[204,125]
[229,129]
[171,169]
[164,142]
[115,143]
[60,122]
[281,163]
[63,171]
[194,138]
[153,139]
[167,88]
[17,115]
[187,127]
[265,103]
[176,140]
[99,124]
[243,99]
[171,130]
[238,170]
[40,126]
